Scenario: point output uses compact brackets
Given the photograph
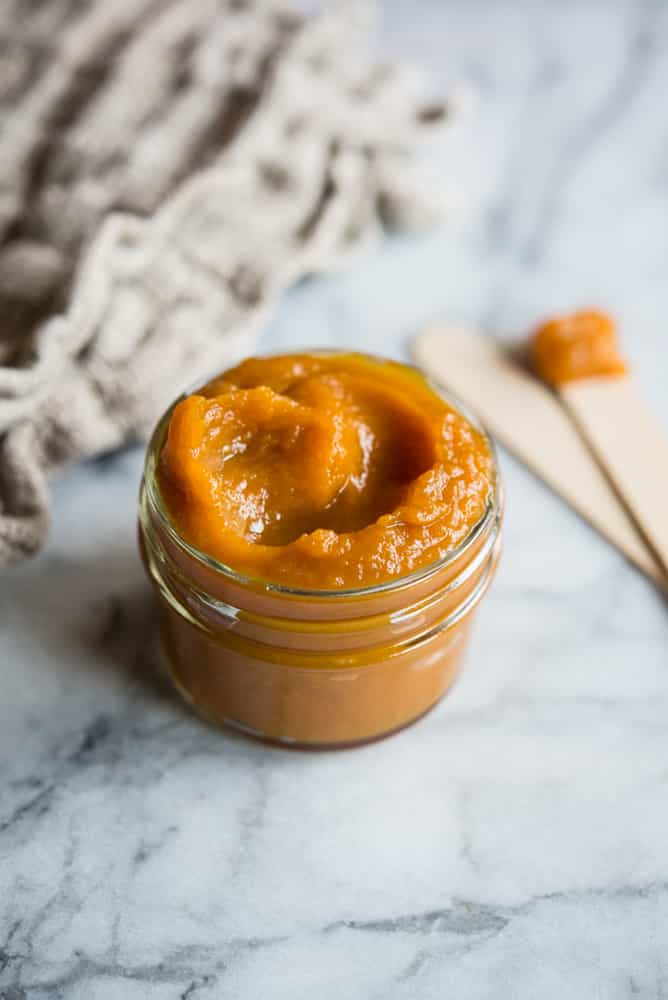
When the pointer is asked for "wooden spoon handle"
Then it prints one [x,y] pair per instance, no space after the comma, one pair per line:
[631,447]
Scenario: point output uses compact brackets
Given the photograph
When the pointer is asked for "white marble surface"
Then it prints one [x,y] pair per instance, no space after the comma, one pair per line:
[514,843]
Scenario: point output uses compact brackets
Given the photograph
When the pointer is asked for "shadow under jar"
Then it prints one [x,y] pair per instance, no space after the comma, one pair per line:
[307,667]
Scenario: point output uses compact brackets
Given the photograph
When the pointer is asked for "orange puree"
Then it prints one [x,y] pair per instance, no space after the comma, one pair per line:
[582,345]
[323,471]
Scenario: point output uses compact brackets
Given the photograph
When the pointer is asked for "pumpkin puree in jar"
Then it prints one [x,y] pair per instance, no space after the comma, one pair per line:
[581,345]
[323,471]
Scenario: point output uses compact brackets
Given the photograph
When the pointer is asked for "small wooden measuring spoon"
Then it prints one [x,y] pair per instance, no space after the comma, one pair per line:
[579,356]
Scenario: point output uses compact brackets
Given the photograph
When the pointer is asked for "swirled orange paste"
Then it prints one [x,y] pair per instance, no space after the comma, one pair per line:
[581,345]
[323,471]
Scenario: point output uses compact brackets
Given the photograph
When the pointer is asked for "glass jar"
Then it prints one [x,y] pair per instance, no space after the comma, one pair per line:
[312,668]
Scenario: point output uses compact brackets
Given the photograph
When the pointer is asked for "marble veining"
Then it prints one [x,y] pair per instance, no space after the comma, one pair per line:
[515,842]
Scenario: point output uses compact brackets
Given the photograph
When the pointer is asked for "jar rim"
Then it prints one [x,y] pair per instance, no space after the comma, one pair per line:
[159,509]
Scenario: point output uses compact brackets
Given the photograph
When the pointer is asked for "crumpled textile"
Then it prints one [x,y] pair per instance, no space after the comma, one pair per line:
[168,169]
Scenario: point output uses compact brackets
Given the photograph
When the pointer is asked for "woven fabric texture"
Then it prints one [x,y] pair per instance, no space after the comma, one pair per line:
[168,169]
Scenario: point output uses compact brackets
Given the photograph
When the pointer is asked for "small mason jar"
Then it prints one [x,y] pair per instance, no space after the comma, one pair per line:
[313,668]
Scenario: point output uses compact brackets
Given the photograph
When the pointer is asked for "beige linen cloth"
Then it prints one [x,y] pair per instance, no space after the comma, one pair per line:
[166,170]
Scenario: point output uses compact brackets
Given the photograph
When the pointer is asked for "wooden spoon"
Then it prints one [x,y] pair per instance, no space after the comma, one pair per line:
[529,419]
[579,356]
